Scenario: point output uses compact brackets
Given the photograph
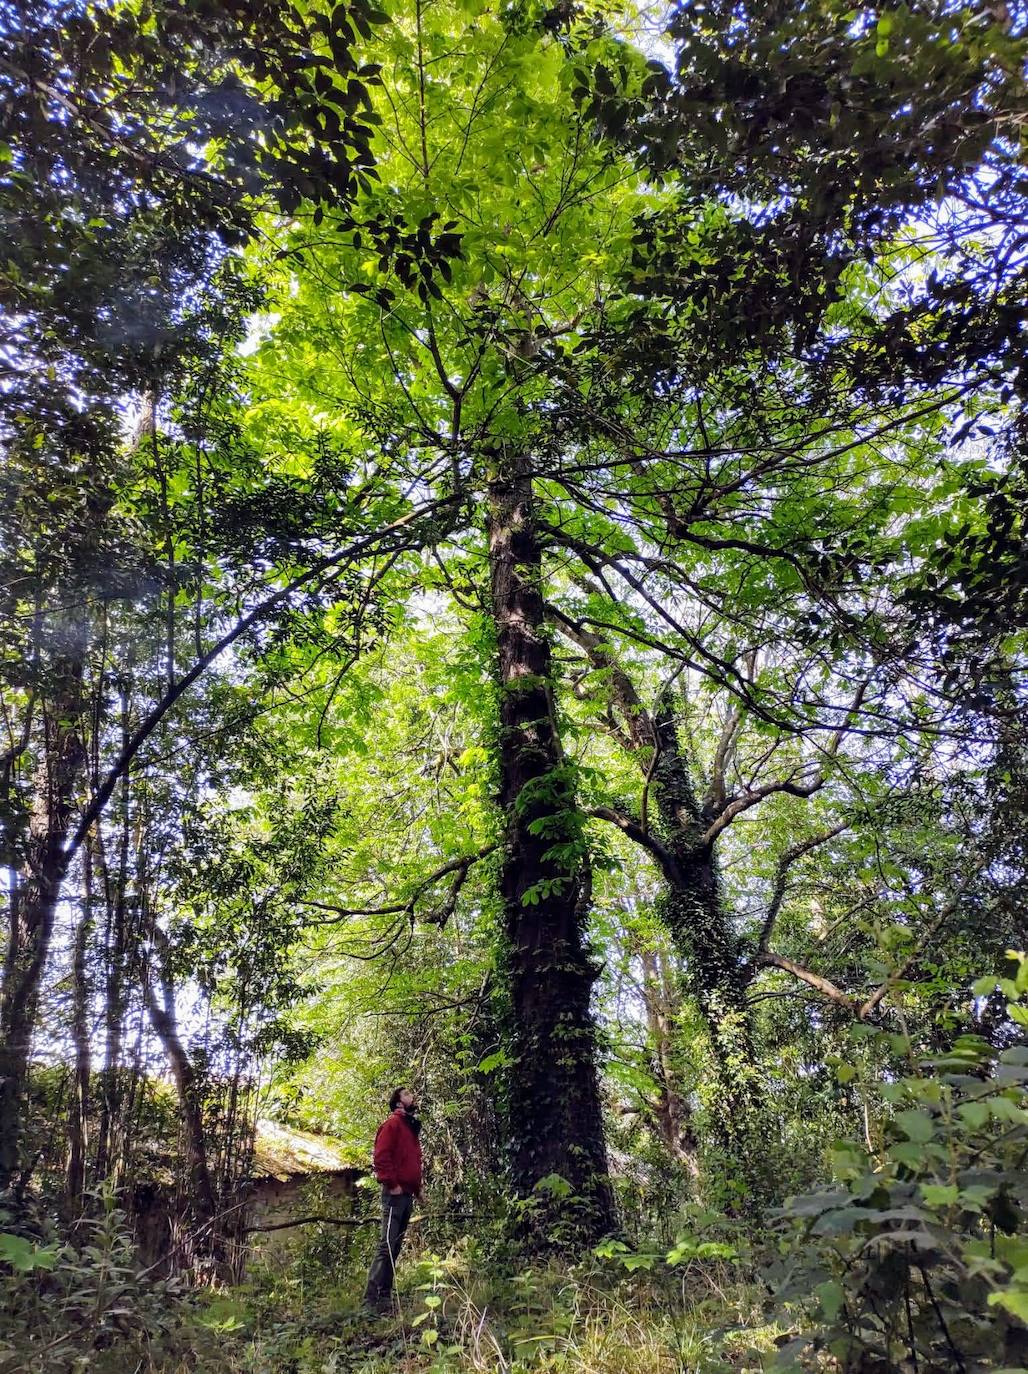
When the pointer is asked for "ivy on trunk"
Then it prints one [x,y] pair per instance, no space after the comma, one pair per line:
[553,1101]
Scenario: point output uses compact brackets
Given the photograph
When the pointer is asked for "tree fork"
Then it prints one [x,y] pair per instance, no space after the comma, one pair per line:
[691,906]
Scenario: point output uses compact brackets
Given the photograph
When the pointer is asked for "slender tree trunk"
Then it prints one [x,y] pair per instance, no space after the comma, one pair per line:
[34,903]
[165,1022]
[117,944]
[114,1007]
[78,1117]
[553,1102]
[670,1114]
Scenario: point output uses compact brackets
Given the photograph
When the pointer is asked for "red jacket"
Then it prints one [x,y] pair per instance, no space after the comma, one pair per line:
[398,1154]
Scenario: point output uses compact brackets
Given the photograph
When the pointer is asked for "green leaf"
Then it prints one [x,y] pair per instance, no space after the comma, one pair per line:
[500,1059]
[24,1255]
[916,1126]
[831,1297]
[1014,1300]
[940,1194]
[975,1114]
[555,1185]
[1021,980]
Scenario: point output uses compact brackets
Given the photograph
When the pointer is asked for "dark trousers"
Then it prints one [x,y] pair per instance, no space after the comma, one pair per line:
[396,1210]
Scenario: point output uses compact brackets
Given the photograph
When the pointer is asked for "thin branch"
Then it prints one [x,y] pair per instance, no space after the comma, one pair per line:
[897,976]
[717,792]
[460,866]
[309,1221]
[790,856]
[757,794]
[862,1010]
[638,722]
[132,746]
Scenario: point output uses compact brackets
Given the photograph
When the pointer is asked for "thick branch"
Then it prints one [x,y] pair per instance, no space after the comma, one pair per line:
[814,980]
[634,831]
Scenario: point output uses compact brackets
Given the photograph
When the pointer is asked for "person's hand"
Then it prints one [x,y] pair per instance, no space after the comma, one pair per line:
[396,1191]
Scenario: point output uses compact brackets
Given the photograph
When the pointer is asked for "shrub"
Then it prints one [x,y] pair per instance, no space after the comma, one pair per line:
[81,1301]
[915,1258]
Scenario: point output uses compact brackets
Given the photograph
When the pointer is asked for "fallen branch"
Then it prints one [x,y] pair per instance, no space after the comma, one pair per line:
[308,1221]
[370,1221]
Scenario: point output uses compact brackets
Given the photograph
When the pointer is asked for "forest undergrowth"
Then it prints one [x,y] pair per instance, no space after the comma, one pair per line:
[455,1312]
[912,1257]
[456,1309]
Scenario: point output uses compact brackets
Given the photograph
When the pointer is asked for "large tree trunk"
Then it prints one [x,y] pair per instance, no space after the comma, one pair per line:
[693,910]
[553,1101]
[34,901]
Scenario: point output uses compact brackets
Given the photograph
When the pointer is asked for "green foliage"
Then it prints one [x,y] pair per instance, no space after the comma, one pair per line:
[750,328]
[76,1298]
[24,1256]
[917,1253]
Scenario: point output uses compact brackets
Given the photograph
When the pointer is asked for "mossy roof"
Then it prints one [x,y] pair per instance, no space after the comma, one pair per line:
[282,1152]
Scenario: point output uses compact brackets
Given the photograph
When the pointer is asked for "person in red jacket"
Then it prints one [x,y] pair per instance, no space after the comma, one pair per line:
[398,1170]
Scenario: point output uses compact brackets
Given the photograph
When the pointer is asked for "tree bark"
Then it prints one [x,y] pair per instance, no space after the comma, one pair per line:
[78,1119]
[164,1020]
[116,946]
[670,1114]
[692,909]
[34,901]
[553,1101]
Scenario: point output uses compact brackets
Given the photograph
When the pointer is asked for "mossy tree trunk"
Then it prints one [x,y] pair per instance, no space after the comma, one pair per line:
[552,1096]
[692,908]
